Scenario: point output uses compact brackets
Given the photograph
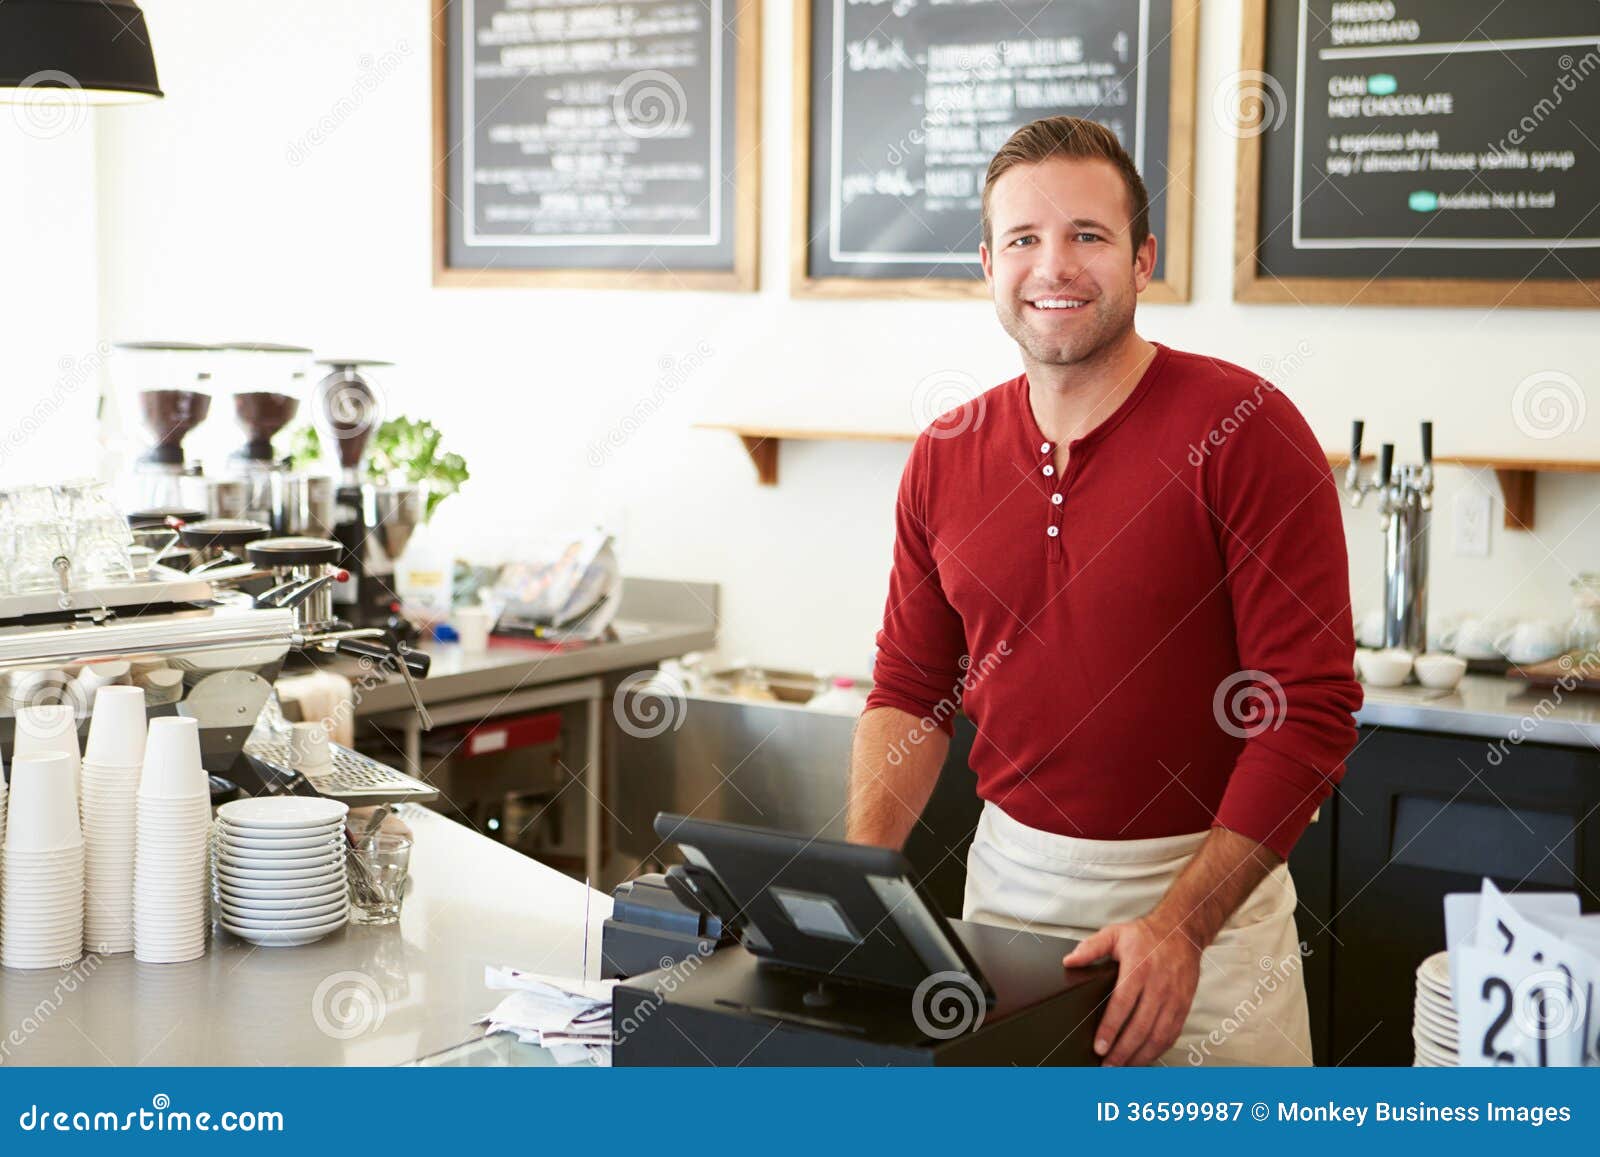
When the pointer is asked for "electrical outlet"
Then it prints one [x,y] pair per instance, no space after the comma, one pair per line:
[1470,523]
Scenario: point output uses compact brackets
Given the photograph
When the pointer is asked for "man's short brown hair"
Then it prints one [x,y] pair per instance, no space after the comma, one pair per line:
[1073,137]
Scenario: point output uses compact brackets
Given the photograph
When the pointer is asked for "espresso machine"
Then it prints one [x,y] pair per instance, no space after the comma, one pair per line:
[201,643]
[372,521]
[1405,505]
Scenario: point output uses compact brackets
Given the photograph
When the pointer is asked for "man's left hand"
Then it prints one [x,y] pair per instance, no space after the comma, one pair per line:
[1158,971]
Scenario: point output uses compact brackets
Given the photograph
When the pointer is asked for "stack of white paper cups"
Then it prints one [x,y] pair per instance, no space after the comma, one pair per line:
[41,904]
[171,905]
[112,760]
[49,728]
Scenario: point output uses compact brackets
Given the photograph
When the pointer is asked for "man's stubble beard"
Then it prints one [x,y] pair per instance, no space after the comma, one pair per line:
[1113,320]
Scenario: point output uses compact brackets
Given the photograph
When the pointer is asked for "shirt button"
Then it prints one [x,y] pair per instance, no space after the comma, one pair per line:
[1056,499]
[1049,470]
[1052,531]
[1044,449]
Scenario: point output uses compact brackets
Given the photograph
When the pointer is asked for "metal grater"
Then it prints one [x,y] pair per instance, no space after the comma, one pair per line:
[356,779]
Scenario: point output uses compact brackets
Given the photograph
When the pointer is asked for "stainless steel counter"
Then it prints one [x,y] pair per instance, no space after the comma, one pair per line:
[1489,707]
[363,996]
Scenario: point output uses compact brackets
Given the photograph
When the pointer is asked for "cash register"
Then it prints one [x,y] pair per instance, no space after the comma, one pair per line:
[831,954]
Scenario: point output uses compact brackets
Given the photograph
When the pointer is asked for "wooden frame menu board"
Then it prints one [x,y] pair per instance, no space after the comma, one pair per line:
[1418,152]
[610,146]
[899,106]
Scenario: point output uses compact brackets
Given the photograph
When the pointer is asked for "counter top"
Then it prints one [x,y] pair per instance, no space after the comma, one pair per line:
[363,996]
[659,619]
[1489,707]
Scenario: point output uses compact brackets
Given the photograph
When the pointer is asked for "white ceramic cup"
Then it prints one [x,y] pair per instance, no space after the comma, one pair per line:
[1369,629]
[1533,641]
[117,728]
[172,769]
[1384,668]
[42,815]
[1440,672]
[1473,638]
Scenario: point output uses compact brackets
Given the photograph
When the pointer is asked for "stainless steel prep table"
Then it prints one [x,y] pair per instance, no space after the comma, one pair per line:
[363,996]
[658,619]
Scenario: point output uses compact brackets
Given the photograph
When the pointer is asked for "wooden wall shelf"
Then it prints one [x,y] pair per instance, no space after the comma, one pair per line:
[1516,475]
[762,442]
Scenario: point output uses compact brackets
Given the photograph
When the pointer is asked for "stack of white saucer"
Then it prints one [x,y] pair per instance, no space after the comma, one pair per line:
[279,863]
[171,913]
[41,899]
[112,763]
[1435,1029]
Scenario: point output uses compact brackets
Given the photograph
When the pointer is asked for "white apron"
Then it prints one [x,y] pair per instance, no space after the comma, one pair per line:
[1250,1007]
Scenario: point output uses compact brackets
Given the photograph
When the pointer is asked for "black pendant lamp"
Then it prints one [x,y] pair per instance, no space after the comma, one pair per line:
[97,51]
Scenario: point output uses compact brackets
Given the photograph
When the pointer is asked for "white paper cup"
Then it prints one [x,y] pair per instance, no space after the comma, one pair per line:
[42,730]
[42,814]
[473,625]
[172,768]
[117,728]
[95,676]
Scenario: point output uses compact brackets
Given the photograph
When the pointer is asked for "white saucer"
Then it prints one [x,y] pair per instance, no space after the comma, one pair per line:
[285,938]
[279,812]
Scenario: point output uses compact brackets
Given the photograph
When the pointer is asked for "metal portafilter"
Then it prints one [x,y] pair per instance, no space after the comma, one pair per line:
[1405,505]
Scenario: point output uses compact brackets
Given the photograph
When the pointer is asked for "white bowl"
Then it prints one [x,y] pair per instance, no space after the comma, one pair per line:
[1441,672]
[1384,668]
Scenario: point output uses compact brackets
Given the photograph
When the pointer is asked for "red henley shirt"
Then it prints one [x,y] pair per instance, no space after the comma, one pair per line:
[1152,643]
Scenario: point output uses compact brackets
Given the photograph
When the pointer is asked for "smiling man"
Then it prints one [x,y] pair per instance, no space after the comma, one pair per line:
[1128,566]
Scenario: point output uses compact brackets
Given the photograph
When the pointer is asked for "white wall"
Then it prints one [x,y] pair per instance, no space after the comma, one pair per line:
[221,216]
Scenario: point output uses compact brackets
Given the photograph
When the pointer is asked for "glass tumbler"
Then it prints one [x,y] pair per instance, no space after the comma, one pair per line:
[377,875]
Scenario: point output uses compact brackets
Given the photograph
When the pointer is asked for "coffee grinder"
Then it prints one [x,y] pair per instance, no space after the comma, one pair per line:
[268,383]
[168,384]
[372,521]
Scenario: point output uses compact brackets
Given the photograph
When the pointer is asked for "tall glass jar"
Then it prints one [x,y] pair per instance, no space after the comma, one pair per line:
[1583,629]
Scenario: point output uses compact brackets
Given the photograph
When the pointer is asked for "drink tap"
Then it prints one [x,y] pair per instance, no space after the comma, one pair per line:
[1405,503]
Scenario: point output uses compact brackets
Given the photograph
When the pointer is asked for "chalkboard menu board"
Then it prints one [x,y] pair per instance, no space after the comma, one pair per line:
[1429,152]
[581,142]
[900,104]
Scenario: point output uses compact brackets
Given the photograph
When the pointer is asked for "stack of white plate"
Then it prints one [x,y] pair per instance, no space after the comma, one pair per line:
[171,913]
[1435,1031]
[279,868]
[112,760]
[41,907]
